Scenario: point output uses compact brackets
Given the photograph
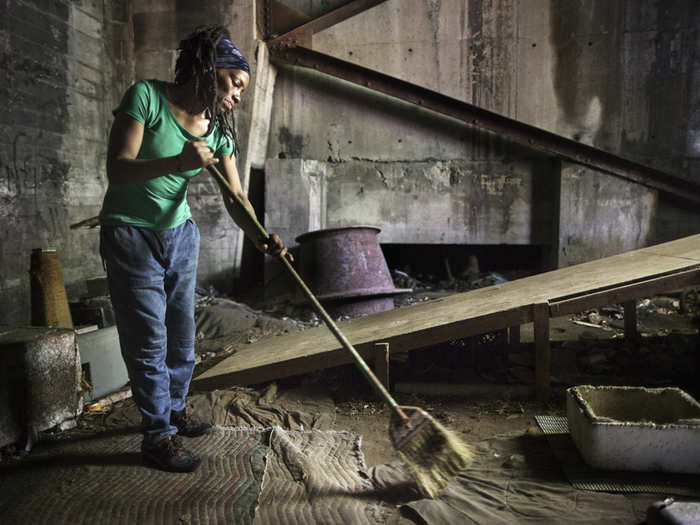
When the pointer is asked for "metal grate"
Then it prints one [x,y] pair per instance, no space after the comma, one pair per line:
[585,477]
[553,424]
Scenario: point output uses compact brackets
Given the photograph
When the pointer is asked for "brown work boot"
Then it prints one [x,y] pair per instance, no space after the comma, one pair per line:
[187,424]
[170,454]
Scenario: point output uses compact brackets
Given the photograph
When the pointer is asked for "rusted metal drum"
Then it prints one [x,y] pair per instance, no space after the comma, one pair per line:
[346,270]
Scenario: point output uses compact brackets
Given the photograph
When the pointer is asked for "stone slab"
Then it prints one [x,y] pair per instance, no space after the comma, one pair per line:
[39,380]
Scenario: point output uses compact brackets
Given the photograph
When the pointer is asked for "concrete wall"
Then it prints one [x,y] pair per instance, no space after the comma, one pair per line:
[628,74]
[64,65]
[414,202]
[621,76]
[477,52]
[601,215]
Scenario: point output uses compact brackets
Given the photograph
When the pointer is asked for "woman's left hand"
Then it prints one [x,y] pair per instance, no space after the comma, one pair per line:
[275,247]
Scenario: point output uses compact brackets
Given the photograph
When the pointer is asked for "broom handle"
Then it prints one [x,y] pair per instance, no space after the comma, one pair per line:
[369,375]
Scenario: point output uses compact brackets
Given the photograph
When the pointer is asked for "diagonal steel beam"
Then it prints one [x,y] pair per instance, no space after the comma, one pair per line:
[327,20]
[536,138]
[275,18]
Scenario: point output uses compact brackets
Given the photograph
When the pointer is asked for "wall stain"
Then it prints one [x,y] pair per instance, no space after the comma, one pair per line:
[463,50]
[434,19]
[588,80]
[477,48]
[673,84]
[605,52]
[293,144]
[498,185]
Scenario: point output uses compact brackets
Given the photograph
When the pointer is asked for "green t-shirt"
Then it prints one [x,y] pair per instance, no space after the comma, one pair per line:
[159,203]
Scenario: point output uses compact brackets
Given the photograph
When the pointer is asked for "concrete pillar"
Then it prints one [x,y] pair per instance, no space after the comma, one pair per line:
[253,156]
[295,197]
[601,215]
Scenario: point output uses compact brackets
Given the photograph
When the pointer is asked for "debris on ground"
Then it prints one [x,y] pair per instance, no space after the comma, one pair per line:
[223,324]
[656,316]
[467,281]
[665,354]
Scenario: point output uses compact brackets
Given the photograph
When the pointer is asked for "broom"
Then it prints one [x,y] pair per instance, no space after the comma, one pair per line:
[432,453]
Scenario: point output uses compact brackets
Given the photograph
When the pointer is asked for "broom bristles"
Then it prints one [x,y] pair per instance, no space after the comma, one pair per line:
[434,455]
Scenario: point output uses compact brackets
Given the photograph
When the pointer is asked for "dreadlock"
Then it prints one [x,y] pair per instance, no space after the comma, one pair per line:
[197,61]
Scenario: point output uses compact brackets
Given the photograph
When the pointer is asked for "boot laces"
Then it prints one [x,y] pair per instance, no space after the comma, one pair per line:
[174,445]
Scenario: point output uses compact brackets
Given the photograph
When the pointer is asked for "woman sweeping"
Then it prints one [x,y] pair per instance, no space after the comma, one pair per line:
[163,135]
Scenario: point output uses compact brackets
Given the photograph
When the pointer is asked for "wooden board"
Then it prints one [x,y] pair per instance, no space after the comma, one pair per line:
[456,316]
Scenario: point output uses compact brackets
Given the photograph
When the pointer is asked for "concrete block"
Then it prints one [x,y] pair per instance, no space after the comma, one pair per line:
[39,380]
[101,357]
[635,428]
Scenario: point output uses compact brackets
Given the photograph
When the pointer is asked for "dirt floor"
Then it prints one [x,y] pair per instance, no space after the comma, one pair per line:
[587,348]
[494,378]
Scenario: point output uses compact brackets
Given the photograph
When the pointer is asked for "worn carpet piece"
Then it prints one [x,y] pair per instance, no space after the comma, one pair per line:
[228,322]
[513,479]
[101,480]
[302,408]
[317,477]
[583,476]
[310,477]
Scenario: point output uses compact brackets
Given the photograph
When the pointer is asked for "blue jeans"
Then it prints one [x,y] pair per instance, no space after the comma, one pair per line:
[151,276]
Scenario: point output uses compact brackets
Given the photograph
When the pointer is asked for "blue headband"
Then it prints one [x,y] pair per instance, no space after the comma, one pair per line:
[228,56]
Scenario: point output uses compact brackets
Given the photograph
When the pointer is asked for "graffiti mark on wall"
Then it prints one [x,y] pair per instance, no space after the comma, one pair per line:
[26,171]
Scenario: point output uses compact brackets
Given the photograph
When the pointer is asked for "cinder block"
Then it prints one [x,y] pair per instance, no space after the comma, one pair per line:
[101,356]
[635,428]
[39,380]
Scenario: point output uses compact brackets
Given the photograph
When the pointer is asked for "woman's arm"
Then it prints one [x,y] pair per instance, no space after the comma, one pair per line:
[243,219]
[124,144]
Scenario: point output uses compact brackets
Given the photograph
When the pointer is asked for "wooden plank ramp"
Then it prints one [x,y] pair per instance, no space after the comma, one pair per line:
[623,277]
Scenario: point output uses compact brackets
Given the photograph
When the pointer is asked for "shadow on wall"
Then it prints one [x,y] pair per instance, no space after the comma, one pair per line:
[625,79]
[673,219]
[585,72]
